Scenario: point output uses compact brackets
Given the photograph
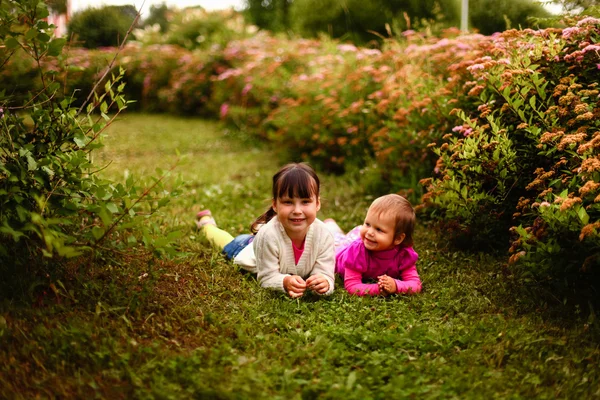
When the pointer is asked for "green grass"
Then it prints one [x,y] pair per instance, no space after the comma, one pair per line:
[133,326]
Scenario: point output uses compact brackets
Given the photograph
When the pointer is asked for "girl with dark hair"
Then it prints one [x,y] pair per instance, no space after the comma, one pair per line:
[290,249]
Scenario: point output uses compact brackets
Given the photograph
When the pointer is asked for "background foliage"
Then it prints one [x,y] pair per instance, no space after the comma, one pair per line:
[54,205]
[466,110]
[365,23]
[504,126]
[101,27]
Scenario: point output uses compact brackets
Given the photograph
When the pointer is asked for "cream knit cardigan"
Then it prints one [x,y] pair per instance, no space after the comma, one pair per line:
[273,257]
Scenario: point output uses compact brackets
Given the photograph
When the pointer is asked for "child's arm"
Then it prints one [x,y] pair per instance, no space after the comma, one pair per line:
[409,281]
[354,284]
[267,262]
[324,265]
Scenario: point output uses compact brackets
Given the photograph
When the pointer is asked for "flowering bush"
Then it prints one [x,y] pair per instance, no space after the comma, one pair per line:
[507,124]
[526,153]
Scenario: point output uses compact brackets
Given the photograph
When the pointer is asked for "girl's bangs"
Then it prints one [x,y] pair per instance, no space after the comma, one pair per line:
[297,183]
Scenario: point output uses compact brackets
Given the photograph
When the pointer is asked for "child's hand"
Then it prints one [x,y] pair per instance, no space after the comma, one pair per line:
[387,285]
[318,283]
[294,285]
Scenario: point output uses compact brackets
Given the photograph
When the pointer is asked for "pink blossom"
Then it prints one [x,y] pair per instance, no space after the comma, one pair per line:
[224,110]
[591,47]
[475,67]
[228,73]
[468,132]
[408,33]
[568,32]
[589,20]
[246,89]
[371,52]
[457,128]
[598,66]
[347,47]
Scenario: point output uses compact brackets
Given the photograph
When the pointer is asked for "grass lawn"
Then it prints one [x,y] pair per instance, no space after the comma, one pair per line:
[131,326]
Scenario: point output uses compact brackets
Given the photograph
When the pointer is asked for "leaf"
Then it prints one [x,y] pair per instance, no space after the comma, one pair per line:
[583,215]
[351,380]
[105,216]
[532,102]
[11,43]
[31,163]
[80,139]
[55,47]
[112,207]
[43,37]
[31,34]
[174,235]
[97,232]
[42,10]
[164,201]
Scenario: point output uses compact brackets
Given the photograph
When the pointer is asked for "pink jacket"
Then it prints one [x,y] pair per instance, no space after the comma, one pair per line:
[355,263]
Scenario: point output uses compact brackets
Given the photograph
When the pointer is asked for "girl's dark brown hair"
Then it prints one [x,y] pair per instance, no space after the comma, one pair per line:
[292,180]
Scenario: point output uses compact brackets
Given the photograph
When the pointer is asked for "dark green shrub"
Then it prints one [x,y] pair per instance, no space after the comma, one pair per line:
[101,27]
[365,22]
[489,16]
[52,202]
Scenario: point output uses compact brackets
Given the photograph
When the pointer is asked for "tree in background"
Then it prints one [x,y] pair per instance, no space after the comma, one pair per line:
[576,6]
[489,16]
[104,26]
[362,22]
[272,15]
[158,16]
[58,6]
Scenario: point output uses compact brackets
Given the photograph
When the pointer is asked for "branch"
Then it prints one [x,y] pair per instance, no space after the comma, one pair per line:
[126,210]
[110,65]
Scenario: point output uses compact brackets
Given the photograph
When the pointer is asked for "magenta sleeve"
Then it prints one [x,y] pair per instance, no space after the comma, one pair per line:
[409,282]
[354,285]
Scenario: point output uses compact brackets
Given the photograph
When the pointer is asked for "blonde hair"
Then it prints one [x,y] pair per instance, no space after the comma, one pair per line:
[403,213]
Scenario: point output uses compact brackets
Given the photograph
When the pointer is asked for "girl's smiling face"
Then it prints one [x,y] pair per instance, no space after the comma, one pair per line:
[296,214]
[378,232]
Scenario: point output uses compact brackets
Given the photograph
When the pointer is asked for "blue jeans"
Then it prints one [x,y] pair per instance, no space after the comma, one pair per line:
[232,248]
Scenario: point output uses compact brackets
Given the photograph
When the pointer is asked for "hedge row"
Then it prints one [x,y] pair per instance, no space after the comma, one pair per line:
[501,130]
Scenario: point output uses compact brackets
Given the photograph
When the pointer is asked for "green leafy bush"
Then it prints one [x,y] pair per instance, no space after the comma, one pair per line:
[490,16]
[100,27]
[53,204]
